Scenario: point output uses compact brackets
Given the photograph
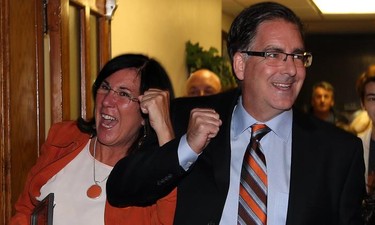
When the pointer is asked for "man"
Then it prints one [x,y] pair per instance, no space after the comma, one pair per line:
[365,87]
[203,82]
[314,170]
[322,103]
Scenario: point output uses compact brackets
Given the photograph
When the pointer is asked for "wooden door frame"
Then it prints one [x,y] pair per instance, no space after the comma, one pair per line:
[21,120]
[4,116]
[59,52]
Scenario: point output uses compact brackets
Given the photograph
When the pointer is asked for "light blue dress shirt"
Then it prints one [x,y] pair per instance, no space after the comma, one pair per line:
[276,146]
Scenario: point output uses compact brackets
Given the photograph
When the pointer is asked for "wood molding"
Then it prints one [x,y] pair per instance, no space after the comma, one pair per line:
[5,198]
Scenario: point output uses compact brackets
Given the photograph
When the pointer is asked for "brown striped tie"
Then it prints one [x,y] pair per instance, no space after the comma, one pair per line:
[252,208]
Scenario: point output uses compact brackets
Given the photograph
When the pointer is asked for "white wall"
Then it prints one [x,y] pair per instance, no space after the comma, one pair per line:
[160,29]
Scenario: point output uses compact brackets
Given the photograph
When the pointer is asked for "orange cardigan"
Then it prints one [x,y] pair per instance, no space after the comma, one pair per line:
[63,144]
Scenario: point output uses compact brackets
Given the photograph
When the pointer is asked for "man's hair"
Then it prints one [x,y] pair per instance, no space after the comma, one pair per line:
[325,85]
[245,25]
[365,78]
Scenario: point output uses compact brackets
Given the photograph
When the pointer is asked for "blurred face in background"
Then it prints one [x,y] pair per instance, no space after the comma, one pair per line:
[203,82]
[322,100]
[369,100]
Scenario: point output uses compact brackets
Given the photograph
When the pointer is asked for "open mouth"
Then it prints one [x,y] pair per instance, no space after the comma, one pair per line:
[108,121]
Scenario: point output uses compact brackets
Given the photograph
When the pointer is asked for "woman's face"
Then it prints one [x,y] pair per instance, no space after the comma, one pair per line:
[118,118]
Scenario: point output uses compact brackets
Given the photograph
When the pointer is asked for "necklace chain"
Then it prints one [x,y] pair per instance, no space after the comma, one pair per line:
[94,171]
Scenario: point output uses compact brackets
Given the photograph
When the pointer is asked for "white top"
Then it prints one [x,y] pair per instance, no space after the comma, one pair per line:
[72,206]
[366,139]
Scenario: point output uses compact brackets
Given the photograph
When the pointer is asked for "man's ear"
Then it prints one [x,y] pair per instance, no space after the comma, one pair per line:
[239,65]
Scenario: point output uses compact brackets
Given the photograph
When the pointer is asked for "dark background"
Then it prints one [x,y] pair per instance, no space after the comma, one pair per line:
[338,59]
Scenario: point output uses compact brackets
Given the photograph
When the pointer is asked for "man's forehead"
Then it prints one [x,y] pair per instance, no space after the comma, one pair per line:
[278,33]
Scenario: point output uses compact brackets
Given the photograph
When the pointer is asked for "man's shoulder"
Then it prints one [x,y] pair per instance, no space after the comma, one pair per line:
[321,138]
[319,128]
[212,101]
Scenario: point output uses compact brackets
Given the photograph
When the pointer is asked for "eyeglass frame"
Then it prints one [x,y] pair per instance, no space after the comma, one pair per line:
[265,54]
[101,90]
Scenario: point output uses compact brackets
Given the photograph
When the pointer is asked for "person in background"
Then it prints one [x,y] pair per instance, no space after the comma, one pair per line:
[322,105]
[365,87]
[303,170]
[203,82]
[131,95]
[364,125]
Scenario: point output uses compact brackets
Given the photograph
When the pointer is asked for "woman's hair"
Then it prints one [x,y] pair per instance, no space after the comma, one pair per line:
[152,75]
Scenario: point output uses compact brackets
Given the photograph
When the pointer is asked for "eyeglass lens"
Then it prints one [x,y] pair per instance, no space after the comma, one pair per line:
[122,95]
[279,58]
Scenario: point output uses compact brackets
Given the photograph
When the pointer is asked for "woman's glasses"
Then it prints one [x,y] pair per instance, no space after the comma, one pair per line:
[122,95]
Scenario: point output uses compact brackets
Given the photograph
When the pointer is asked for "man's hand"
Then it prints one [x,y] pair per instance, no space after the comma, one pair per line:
[203,125]
[155,103]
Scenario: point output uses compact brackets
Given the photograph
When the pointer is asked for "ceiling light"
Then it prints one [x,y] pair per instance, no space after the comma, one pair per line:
[345,6]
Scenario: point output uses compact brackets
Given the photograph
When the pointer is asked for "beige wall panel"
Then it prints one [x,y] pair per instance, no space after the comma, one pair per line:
[161,28]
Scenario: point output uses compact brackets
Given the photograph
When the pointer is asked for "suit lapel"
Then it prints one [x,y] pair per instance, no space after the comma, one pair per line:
[221,143]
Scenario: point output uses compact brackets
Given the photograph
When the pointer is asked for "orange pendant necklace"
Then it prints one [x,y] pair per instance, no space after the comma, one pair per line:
[94,191]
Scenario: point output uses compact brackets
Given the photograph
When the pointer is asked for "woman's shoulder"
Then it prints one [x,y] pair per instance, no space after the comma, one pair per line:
[64,133]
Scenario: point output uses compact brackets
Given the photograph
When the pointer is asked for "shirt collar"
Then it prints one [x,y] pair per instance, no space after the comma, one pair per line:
[281,125]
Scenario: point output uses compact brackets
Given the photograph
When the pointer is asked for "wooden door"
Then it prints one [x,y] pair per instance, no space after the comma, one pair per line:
[20,83]
[46,72]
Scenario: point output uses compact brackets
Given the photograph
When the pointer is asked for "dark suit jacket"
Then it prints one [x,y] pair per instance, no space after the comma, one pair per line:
[327,172]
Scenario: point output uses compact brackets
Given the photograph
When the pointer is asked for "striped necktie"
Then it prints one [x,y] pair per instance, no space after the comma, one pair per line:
[252,208]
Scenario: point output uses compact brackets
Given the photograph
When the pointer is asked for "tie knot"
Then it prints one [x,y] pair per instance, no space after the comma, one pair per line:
[259,130]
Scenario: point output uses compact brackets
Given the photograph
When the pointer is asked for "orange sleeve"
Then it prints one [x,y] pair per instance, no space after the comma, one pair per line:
[164,209]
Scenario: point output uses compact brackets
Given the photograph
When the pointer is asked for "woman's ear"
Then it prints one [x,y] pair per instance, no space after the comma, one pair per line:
[239,65]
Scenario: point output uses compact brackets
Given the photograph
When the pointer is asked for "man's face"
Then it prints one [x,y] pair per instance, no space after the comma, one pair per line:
[369,100]
[203,83]
[322,100]
[270,90]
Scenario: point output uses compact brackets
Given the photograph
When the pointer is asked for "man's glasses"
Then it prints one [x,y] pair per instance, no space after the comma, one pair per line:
[123,96]
[274,58]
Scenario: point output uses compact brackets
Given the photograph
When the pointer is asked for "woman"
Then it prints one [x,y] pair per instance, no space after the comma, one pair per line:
[131,97]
